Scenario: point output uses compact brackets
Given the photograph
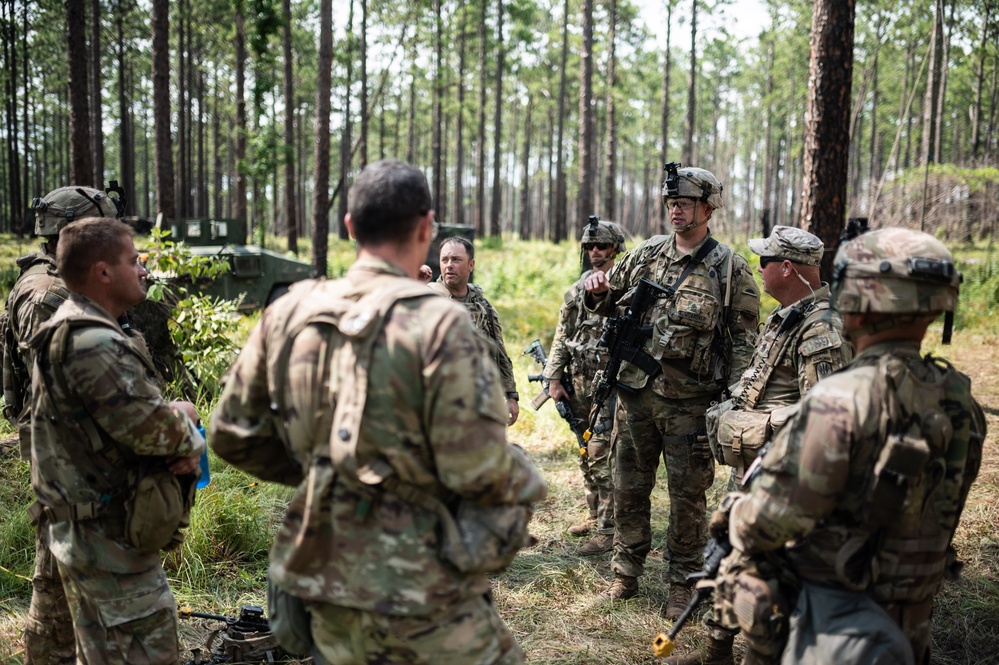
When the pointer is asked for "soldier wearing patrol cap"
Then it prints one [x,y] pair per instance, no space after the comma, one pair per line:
[34,298]
[800,343]
[701,341]
[869,478]
[575,356]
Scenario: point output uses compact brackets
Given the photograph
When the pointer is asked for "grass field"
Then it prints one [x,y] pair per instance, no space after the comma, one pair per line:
[549,595]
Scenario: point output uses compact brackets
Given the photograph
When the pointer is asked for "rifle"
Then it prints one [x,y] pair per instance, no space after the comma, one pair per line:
[246,638]
[624,338]
[563,405]
[855,226]
[717,549]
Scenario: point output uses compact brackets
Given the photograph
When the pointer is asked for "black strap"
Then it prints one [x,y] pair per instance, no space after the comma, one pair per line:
[702,253]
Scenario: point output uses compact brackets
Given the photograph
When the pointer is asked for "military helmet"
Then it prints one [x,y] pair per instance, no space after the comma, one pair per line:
[597,231]
[692,182]
[895,271]
[67,204]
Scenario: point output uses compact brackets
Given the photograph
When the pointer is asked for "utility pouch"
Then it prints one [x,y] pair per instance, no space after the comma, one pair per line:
[760,611]
[159,507]
[741,434]
[289,620]
[711,421]
[899,466]
[484,539]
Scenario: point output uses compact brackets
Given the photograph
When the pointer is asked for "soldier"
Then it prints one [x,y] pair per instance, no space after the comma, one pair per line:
[103,443]
[574,347]
[800,344]
[701,341]
[457,263]
[869,478]
[34,298]
[363,546]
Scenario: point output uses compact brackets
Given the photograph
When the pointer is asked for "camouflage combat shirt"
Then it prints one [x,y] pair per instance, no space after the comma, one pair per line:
[575,342]
[486,321]
[434,413]
[808,351]
[815,478]
[702,346]
[110,382]
[34,298]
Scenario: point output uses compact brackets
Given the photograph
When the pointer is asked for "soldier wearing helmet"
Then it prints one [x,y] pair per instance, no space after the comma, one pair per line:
[869,478]
[33,299]
[701,340]
[576,358]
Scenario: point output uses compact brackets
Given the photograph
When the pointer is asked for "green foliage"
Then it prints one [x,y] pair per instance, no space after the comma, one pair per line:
[979,301]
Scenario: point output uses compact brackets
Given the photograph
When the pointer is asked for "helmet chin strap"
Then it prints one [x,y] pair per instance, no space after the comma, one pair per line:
[692,225]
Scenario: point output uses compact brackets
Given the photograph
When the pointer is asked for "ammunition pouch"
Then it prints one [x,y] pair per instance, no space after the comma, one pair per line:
[741,434]
[754,604]
[159,507]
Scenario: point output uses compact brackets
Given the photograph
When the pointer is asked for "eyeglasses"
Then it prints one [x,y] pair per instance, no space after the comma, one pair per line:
[680,204]
[596,245]
[765,260]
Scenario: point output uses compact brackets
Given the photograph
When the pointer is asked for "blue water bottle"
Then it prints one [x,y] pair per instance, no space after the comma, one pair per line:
[206,476]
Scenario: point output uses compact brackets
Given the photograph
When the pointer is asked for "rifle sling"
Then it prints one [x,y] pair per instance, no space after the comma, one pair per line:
[702,253]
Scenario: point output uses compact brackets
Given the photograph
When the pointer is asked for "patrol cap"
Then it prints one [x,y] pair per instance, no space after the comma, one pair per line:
[67,204]
[787,242]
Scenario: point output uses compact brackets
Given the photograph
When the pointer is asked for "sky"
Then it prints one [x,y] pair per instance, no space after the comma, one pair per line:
[744,19]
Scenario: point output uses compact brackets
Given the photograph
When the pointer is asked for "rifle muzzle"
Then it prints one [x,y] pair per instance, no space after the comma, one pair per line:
[662,646]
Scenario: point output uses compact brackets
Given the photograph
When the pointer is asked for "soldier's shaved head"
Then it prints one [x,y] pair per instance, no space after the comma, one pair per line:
[386,202]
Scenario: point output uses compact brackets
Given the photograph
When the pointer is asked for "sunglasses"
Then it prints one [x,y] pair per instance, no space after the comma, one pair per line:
[596,245]
[765,260]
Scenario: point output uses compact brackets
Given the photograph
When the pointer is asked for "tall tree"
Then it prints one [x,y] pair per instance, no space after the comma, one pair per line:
[321,160]
[525,175]
[96,107]
[664,106]
[363,141]
[126,138]
[345,137]
[610,156]
[458,211]
[830,77]
[931,106]
[290,214]
[688,139]
[494,211]
[480,171]
[437,120]
[586,120]
[239,193]
[82,166]
[163,148]
[559,231]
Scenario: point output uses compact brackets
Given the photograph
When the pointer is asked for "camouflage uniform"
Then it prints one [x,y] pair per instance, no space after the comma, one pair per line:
[123,609]
[34,298]
[575,347]
[365,560]
[486,321]
[702,347]
[869,479]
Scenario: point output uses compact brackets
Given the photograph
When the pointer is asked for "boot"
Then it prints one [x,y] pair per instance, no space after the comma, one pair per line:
[679,598]
[583,528]
[622,588]
[715,652]
[598,544]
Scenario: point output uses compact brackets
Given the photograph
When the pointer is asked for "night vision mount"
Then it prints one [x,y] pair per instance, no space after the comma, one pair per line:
[591,224]
[672,184]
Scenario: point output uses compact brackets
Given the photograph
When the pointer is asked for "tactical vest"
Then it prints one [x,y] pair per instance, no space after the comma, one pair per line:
[587,330]
[16,358]
[930,428]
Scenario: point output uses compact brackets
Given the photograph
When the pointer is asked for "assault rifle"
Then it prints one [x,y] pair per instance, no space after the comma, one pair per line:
[563,405]
[246,638]
[717,549]
[855,226]
[624,338]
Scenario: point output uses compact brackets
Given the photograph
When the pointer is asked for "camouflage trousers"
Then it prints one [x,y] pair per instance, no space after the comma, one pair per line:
[122,618]
[598,480]
[468,633]
[48,630]
[649,427]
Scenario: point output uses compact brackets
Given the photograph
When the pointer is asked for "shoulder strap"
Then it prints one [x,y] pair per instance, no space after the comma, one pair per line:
[702,254]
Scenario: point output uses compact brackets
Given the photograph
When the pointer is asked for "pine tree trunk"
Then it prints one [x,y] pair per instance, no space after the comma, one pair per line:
[163,149]
[82,165]
[494,214]
[290,214]
[585,203]
[664,111]
[688,142]
[239,194]
[559,231]
[96,106]
[321,160]
[458,209]
[610,156]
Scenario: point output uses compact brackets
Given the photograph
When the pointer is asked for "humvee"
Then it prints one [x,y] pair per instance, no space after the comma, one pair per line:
[259,275]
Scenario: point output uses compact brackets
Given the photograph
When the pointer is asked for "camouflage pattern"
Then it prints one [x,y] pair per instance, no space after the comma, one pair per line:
[575,346]
[48,630]
[895,271]
[486,321]
[468,632]
[66,204]
[788,242]
[437,419]
[785,366]
[649,427]
[702,348]
[602,232]
[122,618]
[108,583]
[698,184]
[815,484]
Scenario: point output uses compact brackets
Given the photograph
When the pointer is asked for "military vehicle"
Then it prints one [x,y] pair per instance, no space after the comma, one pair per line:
[259,275]
[443,233]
